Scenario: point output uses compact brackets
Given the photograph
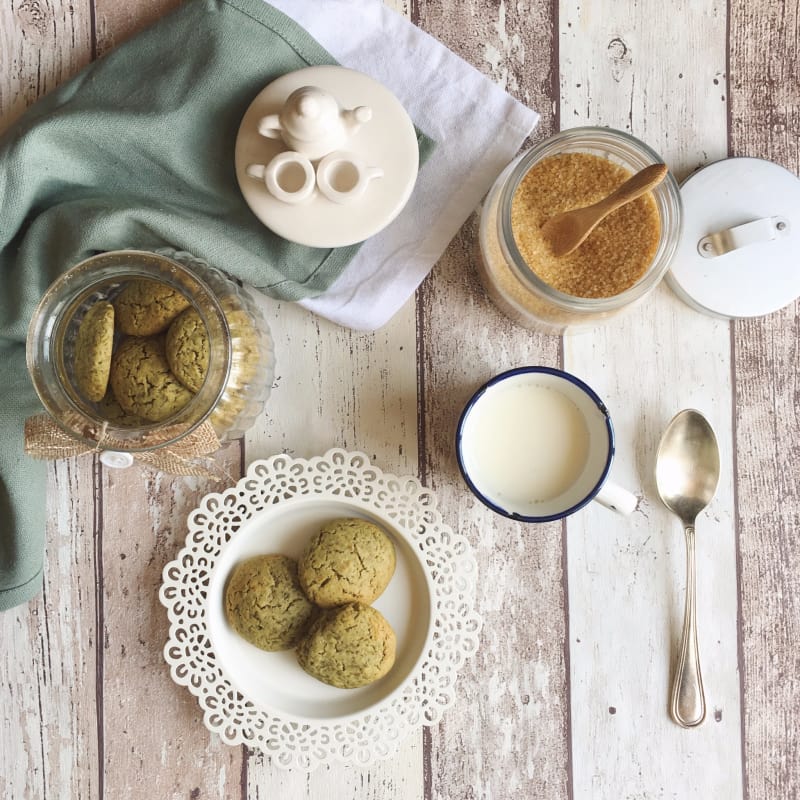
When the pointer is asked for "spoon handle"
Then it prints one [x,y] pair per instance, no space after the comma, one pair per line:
[688,703]
[643,181]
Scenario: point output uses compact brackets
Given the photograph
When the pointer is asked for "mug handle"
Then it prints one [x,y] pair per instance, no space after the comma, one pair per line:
[617,499]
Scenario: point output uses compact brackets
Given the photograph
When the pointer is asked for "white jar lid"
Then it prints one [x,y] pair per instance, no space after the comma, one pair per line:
[383,151]
[738,252]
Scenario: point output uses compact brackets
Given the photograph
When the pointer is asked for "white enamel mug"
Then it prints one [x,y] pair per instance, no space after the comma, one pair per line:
[536,444]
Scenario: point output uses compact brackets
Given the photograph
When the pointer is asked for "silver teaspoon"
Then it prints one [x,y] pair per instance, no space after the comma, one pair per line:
[687,472]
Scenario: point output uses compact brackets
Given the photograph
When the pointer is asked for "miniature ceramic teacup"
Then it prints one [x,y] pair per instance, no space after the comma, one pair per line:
[340,177]
[536,444]
[312,122]
[289,176]
[343,177]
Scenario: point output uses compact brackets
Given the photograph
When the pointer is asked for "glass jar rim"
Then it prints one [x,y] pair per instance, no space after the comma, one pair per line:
[54,311]
[667,189]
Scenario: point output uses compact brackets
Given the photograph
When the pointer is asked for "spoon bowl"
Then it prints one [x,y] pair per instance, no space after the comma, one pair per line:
[687,473]
[687,465]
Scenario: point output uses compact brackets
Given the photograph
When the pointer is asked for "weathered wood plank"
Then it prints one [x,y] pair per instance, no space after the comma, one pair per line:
[514,44]
[626,576]
[511,704]
[48,728]
[115,22]
[512,700]
[42,43]
[359,393]
[153,730]
[768,431]
[764,90]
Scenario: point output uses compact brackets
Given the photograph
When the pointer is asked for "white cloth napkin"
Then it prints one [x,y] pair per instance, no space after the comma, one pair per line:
[478,129]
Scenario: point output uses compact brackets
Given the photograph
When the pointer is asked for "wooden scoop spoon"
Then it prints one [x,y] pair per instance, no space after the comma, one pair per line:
[565,231]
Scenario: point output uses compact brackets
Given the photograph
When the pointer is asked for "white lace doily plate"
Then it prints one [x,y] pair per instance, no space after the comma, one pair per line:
[265,700]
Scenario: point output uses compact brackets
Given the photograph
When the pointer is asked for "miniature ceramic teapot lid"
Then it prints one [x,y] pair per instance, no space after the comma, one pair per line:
[738,253]
[326,156]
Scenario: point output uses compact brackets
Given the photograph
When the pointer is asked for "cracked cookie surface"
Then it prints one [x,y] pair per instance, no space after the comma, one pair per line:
[94,343]
[349,560]
[348,647]
[265,604]
[142,382]
[187,349]
[146,307]
[111,410]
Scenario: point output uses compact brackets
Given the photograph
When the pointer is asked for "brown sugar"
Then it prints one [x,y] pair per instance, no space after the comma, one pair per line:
[617,252]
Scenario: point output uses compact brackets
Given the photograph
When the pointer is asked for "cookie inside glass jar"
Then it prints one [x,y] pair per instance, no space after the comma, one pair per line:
[128,362]
[137,350]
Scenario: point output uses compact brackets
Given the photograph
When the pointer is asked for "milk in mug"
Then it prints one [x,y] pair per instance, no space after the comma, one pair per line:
[524,444]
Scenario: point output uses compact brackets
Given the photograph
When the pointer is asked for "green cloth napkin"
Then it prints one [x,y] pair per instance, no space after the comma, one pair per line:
[137,151]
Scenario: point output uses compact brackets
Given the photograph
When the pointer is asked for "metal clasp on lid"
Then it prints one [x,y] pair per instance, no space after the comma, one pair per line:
[758,230]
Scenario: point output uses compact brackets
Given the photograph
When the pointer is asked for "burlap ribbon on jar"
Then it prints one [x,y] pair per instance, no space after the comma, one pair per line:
[188,455]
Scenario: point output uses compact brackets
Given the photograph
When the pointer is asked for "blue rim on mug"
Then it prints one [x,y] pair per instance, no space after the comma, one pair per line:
[548,371]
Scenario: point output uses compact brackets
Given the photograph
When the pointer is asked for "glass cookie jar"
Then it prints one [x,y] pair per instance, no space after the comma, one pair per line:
[238,354]
[510,278]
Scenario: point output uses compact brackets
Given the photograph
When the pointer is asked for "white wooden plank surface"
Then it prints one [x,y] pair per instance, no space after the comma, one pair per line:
[361,394]
[150,732]
[358,392]
[626,576]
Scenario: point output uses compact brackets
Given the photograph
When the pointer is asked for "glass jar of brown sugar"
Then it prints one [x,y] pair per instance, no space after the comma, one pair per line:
[132,351]
[621,261]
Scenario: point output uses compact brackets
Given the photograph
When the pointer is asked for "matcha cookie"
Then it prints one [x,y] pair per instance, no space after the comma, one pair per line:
[265,604]
[187,349]
[348,647]
[349,560]
[93,346]
[108,408]
[142,382]
[146,307]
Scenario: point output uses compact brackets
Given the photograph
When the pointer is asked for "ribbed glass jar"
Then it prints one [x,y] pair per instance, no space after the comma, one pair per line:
[511,283]
[241,362]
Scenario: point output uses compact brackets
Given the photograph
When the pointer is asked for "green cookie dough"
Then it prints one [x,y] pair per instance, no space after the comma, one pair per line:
[142,382]
[145,307]
[349,560]
[265,604]
[187,349]
[348,647]
[93,346]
